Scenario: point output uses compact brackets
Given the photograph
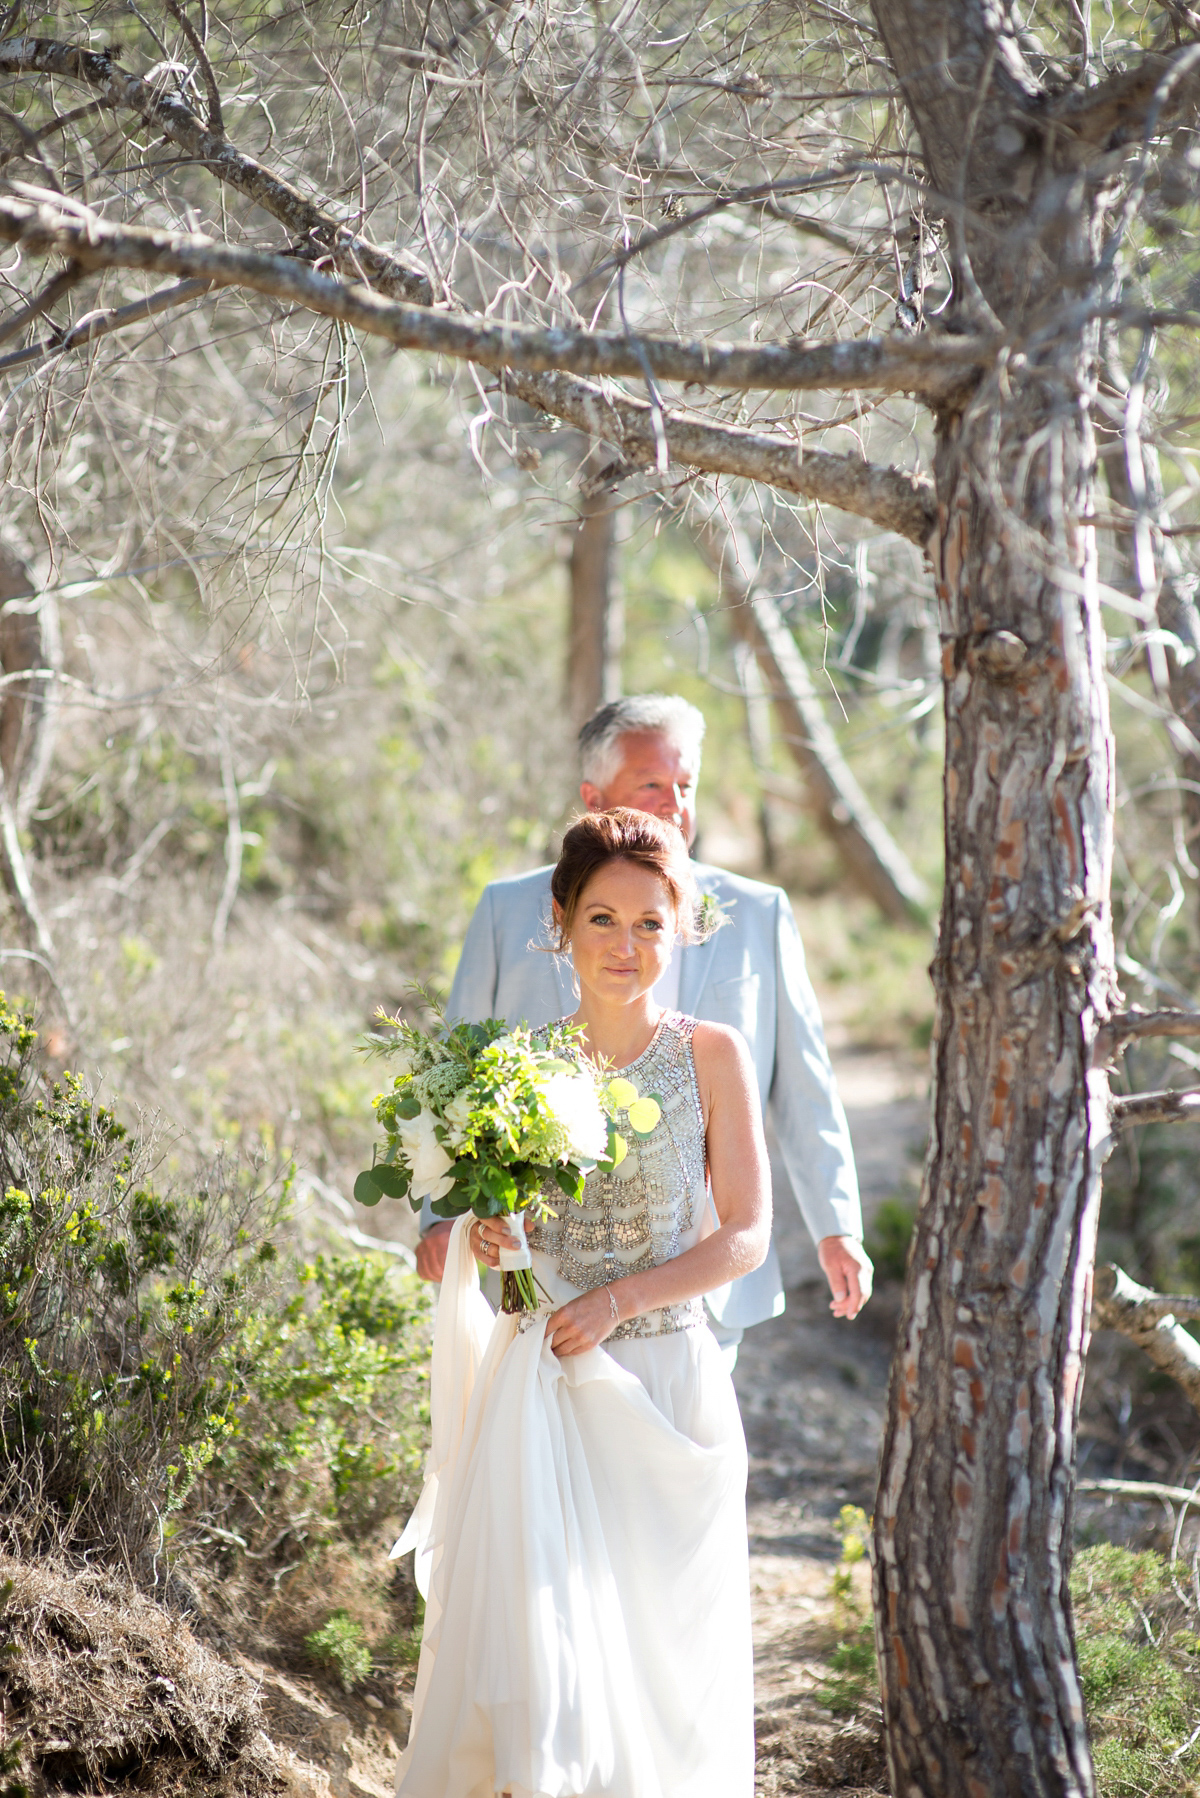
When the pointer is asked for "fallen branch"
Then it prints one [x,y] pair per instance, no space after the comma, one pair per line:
[891,499]
[1155,1108]
[1150,1319]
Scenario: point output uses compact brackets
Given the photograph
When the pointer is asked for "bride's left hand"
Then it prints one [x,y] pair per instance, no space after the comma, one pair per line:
[581,1325]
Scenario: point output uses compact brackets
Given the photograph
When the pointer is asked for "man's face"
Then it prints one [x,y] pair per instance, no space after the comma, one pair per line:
[653,777]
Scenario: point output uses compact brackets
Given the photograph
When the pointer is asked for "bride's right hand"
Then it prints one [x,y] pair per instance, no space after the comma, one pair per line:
[488,1234]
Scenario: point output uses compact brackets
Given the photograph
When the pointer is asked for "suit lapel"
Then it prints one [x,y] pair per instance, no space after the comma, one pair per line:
[697,957]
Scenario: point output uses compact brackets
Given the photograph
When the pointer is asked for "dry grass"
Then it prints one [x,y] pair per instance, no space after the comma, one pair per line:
[795,1757]
[101,1685]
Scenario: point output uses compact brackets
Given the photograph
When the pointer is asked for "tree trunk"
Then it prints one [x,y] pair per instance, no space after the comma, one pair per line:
[1138,490]
[974,1515]
[25,745]
[29,638]
[597,621]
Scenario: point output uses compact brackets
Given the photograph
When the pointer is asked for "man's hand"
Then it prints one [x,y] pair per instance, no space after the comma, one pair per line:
[431,1251]
[848,1268]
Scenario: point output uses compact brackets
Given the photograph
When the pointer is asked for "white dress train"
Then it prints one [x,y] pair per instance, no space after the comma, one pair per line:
[581,1546]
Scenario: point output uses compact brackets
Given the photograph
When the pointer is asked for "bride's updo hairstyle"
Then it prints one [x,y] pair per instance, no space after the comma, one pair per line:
[623,836]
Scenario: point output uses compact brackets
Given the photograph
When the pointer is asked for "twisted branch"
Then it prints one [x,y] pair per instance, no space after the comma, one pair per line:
[894,500]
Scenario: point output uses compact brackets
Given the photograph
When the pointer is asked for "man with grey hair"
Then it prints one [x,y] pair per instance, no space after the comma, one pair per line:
[644,752]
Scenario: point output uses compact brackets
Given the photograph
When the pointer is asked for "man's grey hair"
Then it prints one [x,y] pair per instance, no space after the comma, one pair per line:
[600,739]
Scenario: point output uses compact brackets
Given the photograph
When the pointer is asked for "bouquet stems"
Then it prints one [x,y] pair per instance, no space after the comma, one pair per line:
[518,1291]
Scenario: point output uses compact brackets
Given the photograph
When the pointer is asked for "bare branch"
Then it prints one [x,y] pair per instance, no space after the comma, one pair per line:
[1128,1025]
[216,121]
[234,843]
[896,501]
[1119,109]
[889,498]
[1142,1490]
[1149,1319]
[101,324]
[892,364]
[307,223]
[51,293]
[1155,1108]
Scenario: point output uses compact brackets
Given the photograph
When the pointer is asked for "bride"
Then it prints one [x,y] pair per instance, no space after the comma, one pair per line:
[581,1537]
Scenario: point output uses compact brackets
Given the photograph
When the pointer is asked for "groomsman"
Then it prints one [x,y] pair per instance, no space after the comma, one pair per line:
[644,752]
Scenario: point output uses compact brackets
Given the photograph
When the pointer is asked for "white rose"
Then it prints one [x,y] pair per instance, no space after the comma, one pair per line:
[571,1099]
[457,1113]
[401,1059]
[426,1156]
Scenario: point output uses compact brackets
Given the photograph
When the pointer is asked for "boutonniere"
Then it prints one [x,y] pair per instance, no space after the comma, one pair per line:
[711,916]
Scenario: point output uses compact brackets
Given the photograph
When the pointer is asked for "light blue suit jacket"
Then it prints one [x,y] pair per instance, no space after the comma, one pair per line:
[750,974]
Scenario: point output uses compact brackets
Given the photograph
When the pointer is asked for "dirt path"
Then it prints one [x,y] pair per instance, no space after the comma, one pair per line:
[812,1393]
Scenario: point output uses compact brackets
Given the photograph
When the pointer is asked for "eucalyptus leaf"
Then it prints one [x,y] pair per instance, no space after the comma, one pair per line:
[393,1182]
[365,1189]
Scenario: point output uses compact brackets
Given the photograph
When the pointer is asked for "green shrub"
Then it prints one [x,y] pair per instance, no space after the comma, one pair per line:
[890,1234]
[333,1425]
[119,1312]
[854,1678]
[163,1368]
[340,1646]
[1139,1671]
[855,1671]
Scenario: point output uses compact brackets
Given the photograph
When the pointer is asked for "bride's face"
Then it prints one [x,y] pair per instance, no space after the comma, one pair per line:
[623,932]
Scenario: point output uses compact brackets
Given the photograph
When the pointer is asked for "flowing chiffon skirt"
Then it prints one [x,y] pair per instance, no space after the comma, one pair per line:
[581,1545]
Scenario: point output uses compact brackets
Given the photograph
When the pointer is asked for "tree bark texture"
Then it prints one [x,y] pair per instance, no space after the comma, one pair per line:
[974,1514]
[597,618]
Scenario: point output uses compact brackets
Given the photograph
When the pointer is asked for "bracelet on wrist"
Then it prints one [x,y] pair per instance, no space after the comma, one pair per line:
[612,1304]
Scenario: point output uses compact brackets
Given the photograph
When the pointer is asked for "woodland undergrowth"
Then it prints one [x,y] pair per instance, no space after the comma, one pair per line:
[186,1400]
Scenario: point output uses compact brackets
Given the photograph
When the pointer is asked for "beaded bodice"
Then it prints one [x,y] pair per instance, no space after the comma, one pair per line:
[638,1216]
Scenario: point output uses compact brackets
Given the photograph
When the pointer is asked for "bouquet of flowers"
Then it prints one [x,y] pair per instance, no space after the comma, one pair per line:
[480,1118]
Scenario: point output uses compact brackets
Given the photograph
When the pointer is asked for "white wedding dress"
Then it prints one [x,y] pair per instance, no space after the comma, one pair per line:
[581,1536]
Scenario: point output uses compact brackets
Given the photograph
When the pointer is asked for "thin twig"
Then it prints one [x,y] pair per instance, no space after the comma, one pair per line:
[216,122]
[101,324]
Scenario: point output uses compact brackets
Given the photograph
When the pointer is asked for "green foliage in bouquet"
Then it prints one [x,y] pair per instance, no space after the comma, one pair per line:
[482,1118]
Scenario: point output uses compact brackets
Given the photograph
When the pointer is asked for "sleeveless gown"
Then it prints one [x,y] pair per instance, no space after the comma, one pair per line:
[581,1536]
